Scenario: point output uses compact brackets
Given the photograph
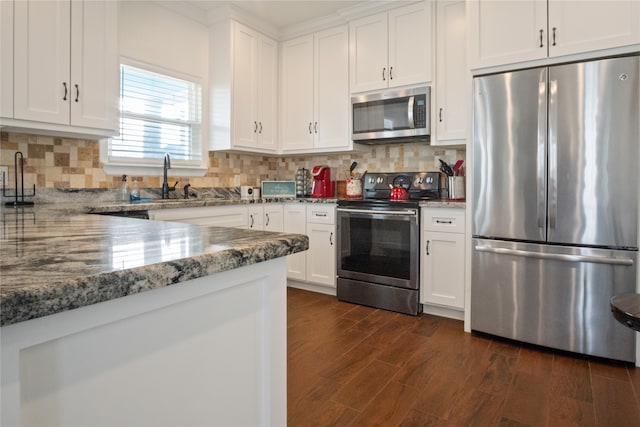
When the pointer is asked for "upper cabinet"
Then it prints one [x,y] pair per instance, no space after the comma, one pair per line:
[244,89]
[65,67]
[391,49]
[6,64]
[510,32]
[315,93]
[452,82]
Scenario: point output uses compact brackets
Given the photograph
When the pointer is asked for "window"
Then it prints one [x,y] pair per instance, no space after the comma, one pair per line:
[158,114]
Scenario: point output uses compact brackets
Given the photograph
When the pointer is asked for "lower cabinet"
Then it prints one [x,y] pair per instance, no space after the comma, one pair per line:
[316,220]
[267,217]
[442,258]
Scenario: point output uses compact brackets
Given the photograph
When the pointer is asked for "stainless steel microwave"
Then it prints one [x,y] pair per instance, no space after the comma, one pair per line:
[392,115]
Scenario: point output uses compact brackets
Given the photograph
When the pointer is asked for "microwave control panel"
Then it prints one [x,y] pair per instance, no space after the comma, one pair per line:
[420,111]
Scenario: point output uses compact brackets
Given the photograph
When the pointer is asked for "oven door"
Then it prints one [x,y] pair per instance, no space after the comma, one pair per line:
[379,246]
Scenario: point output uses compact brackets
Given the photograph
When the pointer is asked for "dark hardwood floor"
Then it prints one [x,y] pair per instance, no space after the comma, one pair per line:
[350,365]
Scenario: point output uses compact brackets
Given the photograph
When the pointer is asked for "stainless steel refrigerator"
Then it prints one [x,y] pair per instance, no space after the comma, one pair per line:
[555,196]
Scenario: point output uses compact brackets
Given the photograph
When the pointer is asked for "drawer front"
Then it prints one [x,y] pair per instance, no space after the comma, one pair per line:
[445,220]
[321,213]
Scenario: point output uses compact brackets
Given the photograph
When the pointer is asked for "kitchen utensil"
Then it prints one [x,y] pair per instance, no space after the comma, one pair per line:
[352,167]
[445,168]
[457,166]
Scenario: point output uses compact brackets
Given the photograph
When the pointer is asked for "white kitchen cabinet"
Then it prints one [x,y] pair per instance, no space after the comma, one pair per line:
[315,93]
[273,218]
[6,64]
[244,89]
[295,221]
[321,256]
[510,32]
[452,82]
[220,216]
[391,49]
[255,217]
[66,66]
[442,258]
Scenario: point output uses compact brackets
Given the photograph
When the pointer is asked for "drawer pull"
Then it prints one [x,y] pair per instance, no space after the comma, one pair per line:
[443,222]
[323,214]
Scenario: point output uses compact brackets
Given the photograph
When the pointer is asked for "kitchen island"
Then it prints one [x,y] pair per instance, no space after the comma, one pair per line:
[121,321]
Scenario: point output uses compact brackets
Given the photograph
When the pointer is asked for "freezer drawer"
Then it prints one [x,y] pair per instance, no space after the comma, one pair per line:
[554,296]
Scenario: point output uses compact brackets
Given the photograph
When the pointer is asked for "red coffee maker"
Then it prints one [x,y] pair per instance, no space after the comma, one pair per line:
[322,184]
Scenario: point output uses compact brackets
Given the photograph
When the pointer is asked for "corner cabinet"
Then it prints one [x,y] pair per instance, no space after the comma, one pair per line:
[391,49]
[243,89]
[509,32]
[65,67]
[315,93]
[453,81]
[442,259]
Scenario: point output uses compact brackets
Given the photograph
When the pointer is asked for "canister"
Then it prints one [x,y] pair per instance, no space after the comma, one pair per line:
[354,187]
[456,187]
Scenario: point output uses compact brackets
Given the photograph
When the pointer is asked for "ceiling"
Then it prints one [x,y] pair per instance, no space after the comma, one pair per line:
[281,13]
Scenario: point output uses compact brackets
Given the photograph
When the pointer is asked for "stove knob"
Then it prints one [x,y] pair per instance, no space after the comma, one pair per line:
[429,180]
[379,180]
[419,180]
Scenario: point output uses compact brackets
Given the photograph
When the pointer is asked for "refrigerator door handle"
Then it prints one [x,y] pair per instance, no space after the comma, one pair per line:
[553,153]
[542,137]
[557,257]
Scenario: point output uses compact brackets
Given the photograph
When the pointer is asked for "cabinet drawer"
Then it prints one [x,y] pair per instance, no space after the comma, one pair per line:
[446,220]
[321,213]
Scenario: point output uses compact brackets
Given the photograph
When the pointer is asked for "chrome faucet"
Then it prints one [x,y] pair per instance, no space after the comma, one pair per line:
[165,184]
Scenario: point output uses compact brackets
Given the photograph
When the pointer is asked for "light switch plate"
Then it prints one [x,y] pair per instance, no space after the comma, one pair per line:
[4,176]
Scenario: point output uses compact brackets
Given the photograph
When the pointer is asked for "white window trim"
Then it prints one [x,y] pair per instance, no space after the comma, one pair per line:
[154,167]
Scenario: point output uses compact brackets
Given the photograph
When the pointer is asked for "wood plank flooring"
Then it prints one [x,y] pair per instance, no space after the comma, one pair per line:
[350,365]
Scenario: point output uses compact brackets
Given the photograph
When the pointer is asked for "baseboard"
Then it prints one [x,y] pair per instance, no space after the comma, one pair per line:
[328,290]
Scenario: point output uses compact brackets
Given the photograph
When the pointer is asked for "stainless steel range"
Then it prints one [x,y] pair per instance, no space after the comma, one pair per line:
[378,239]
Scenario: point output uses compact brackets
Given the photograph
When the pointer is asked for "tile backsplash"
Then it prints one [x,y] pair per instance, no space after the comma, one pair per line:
[66,163]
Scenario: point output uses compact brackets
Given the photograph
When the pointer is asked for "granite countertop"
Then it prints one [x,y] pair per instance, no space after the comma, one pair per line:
[52,262]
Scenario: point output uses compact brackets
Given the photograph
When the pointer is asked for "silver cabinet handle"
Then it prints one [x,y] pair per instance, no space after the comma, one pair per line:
[390,73]
[384,77]
[260,131]
[556,257]
[428,241]
[315,127]
[267,215]
[77,92]
[331,238]
[553,36]
[541,34]
[66,91]
[440,115]
[310,128]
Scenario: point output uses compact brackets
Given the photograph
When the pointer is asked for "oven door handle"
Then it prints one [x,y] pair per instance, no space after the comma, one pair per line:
[368,211]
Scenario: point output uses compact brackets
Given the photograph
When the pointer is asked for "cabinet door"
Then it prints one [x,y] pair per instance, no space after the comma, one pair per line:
[452,79]
[321,256]
[42,88]
[256,215]
[296,127]
[244,88]
[410,44]
[6,63]
[331,89]
[267,93]
[95,75]
[273,217]
[295,222]
[505,32]
[583,26]
[368,53]
[443,269]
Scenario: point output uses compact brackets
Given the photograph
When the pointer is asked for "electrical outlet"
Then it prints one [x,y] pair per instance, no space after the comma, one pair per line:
[4,176]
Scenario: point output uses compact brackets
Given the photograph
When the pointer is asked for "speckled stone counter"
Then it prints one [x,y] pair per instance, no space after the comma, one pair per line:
[52,262]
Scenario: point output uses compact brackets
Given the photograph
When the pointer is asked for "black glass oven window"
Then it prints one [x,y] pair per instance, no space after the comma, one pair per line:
[376,246]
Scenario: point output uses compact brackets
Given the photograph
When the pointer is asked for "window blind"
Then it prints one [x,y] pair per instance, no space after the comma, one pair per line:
[159,114]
